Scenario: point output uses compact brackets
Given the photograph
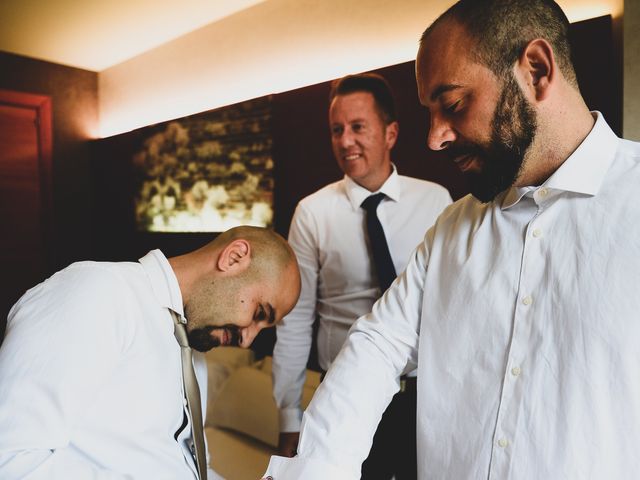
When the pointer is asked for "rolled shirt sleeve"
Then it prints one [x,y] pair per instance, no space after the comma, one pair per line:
[291,351]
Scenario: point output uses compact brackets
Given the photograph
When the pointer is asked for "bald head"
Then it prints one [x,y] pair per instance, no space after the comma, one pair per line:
[269,253]
[245,280]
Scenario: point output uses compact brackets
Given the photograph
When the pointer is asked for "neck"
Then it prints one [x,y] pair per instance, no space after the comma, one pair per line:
[180,267]
[374,184]
[560,133]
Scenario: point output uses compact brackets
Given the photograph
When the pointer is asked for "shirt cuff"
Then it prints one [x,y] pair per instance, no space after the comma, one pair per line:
[283,468]
[290,419]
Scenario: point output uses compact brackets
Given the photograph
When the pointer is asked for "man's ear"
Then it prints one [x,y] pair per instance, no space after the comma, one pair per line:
[235,257]
[391,134]
[537,69]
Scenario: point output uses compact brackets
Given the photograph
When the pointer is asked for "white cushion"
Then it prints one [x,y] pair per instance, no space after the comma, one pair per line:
[235,456]
[221,361]
[232,357]
[245,402]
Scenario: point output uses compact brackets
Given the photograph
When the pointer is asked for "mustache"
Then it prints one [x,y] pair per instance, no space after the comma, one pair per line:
[458,150]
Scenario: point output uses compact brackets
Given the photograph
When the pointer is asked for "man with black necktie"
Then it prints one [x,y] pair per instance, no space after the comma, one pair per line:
[351,238]
[97,377]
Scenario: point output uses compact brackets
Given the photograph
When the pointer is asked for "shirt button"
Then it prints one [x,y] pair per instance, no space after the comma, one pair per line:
[503,442]
[543,192]
[527,300]
[515,371]
[537,233]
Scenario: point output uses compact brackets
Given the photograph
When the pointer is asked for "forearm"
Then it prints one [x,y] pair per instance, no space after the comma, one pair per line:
[291,352]
[338,426]
[290,357]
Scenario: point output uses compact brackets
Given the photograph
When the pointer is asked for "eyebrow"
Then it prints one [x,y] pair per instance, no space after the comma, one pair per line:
[355,120]
[443,89]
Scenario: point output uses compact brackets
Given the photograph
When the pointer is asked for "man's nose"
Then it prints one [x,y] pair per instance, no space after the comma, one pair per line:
[347,139]
[248,335]
[440,135]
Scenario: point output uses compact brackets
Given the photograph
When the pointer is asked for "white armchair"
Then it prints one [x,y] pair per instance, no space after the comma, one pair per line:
[242,419]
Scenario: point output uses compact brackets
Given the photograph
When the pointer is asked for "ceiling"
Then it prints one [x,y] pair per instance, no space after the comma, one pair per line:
[154,56]
[97,34]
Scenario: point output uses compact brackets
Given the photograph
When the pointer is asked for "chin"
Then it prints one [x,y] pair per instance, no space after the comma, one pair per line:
[202,340]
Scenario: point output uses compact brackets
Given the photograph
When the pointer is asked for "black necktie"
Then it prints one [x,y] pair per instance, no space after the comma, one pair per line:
[379,248]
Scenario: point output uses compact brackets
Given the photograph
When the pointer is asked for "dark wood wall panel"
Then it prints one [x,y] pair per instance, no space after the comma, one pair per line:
[598,68]
[74,102]
[74,98]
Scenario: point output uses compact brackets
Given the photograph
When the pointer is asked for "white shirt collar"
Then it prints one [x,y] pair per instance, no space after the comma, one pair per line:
[583,171]
[163,281]
[357,193]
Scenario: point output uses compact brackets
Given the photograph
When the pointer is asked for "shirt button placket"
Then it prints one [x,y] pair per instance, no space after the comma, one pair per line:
[511,398]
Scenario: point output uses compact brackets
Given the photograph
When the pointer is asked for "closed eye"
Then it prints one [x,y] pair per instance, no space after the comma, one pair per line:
[453,108]
[268,314]
[260,314]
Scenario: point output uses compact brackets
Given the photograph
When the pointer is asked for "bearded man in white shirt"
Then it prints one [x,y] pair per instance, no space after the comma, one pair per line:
[520,308]
[91,372]
[340,281]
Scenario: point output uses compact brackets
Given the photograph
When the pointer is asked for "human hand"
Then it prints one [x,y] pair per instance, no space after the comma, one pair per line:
[288,444]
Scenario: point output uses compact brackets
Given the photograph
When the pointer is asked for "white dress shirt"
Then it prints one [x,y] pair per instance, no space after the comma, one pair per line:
[91,377]
[523,316]
[328,235]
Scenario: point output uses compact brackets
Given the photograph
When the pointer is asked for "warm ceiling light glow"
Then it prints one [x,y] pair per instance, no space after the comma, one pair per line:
[201,95]
[584,12]
[95,35]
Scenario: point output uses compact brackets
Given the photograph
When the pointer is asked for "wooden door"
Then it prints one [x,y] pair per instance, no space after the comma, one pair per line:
[25,194]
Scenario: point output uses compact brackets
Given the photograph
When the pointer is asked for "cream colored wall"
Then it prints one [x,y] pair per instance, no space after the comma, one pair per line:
[272,47]
[631,92]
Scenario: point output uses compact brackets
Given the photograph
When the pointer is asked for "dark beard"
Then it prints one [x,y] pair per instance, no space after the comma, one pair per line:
[201,339]
[513,129]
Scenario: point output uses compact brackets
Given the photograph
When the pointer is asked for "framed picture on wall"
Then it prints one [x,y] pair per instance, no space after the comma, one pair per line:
[207,172]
